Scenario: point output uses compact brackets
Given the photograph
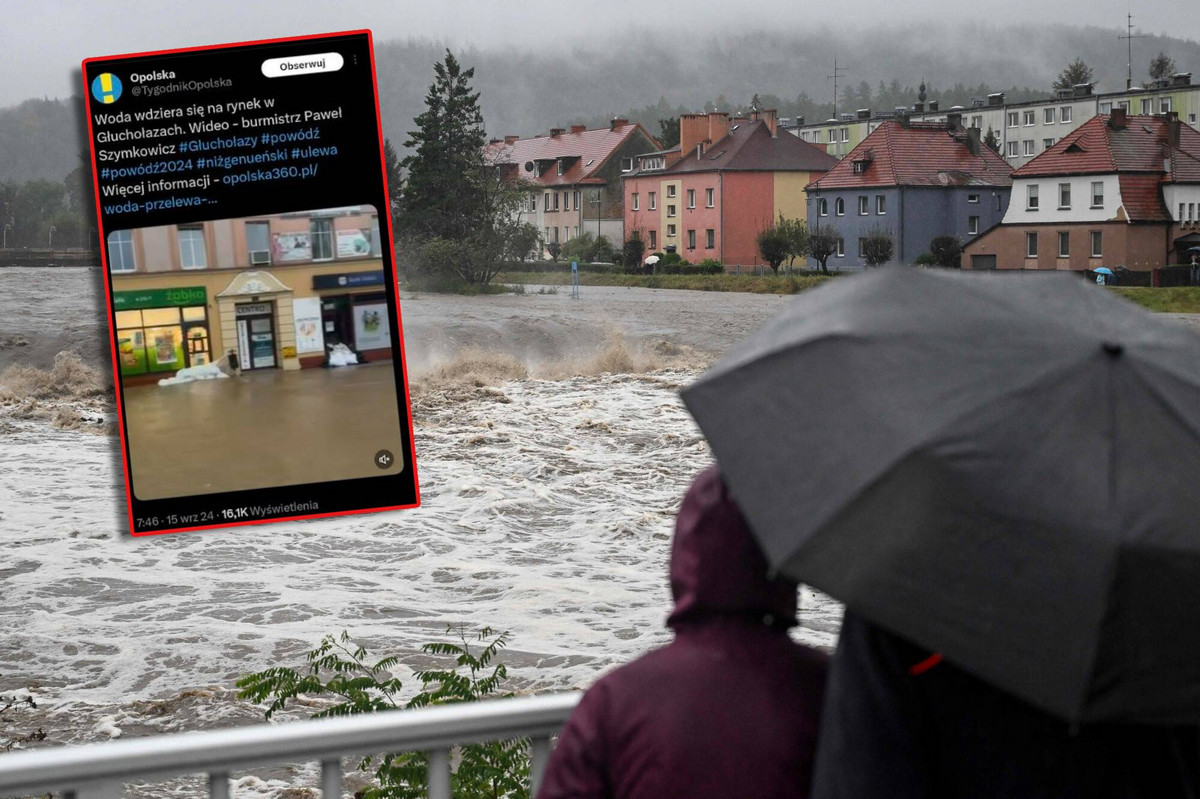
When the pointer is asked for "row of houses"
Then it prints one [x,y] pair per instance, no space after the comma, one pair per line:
[913,176]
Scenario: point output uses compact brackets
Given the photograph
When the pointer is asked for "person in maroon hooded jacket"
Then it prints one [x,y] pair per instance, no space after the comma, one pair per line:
[729,708]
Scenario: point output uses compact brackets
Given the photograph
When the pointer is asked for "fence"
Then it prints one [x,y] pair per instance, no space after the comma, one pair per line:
[98,771]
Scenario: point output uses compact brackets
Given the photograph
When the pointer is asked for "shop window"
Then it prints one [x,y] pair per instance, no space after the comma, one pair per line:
[162,339]
[258,242]
[120,251]
[321,233]
[376,244]
[191,248]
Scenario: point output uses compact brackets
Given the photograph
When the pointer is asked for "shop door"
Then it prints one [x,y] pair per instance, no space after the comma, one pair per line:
[338,320]
[195,335]
[256,340]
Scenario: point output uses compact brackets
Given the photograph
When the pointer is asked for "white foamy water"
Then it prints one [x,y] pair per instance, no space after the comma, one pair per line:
[547,511]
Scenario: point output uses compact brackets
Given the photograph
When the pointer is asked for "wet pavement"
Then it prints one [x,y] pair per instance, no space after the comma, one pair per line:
[267,428]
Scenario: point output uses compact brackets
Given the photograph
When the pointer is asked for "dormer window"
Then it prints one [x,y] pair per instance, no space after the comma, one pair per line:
[861,166]
[560,166]
[626,165]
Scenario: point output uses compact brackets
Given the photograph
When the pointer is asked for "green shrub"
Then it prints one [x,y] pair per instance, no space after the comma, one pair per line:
[339,670]
[924,259]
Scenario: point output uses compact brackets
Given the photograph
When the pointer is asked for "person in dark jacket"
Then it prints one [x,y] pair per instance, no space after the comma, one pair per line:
[901,722]
[729,708]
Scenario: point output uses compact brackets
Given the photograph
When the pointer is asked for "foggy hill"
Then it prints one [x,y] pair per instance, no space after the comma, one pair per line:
[646,77]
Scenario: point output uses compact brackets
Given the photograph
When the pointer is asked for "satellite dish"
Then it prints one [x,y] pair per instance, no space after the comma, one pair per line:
[528,166]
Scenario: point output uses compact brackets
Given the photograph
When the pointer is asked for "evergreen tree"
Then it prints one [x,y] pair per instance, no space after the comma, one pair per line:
[668,132]
[1162,66]
[992,140]
[395,179]
[1074,73]
[443,194]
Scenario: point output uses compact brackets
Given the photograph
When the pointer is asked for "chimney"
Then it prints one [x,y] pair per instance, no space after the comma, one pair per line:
[618,122]
[919,108]
[902,117]
[718,126]
[578,128]
[511,139]
[496,141]
[1174,128]
[556,132]
[1117,120]
[771,117]
[933,105]
[995,98]
[693,130]
[973,142]
[954,120]
[863,113]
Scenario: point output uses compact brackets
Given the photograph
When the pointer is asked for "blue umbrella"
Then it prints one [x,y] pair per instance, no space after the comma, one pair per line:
[1103,270]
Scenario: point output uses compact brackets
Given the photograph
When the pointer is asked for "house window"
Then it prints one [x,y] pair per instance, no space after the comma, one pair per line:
[1013,149]
[120,251]
[1047,116]
[972,225]
[862,205]
[998,201]
[1064,196]
[1028,146]
[555,201]
[547,234]
[691,239]
[670,231]
[671,210]
[653,240]
[258,241]
[708,197]
[1191,119]
[653,201]
[1047,144]
[1030,118]
[862,247]
[191,248]
[1097,194]
[977,121]
[691,198]
[972,198]
[1191,211]
[832,135]
[839,207]
[1013,119]
[577,231]
[841,248]
[845,134]
[560,166]
[880,204]
[1180,217]
[1064,244]
[321,233]
[1064,114]
[576,201]
[1105,108]
[546,197]
[566,233]
[626,164]
[1031,197]
[567,201]
[1031,245]
[555,233]
[636,207]
[1164,105]
[670,189]
[1147,106]
[1097,243]
[823,207]
[710,238]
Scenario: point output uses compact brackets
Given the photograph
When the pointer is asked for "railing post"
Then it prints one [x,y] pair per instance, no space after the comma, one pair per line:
[331,779]
[539,756]
[438,774]
[218,785]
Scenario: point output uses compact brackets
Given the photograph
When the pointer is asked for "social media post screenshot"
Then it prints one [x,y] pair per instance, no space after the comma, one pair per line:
[252,292]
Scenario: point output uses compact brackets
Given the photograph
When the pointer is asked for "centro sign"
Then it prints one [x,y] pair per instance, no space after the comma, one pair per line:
[255,309]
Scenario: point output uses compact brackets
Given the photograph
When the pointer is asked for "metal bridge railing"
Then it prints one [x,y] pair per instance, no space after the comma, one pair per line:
[98,771]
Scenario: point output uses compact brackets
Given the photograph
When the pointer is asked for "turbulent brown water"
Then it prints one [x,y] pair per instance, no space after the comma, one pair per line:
[553,452]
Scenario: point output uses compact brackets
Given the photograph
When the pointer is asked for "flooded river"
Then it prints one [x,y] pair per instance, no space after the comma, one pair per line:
[553,452]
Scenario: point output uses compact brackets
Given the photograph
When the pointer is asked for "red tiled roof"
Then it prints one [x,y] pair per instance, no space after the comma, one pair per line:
[750,147]
[1142,197]
[589,150]
[1097,147]
[917,154]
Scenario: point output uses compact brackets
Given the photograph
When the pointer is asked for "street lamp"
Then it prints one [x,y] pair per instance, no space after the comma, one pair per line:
[50,242]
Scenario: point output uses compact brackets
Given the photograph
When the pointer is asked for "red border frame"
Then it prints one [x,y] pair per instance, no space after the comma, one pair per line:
[87,98]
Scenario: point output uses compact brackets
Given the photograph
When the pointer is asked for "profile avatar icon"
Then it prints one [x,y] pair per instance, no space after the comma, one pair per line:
[106,88]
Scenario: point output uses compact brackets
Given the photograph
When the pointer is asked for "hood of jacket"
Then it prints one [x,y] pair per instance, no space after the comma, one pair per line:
[717,568]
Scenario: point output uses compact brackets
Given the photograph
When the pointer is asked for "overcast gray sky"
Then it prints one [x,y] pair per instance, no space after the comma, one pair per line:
[43,41]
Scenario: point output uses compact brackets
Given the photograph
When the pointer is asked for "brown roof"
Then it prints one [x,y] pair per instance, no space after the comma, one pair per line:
[1141,146]
[917,154]
[750,147]
[587,152]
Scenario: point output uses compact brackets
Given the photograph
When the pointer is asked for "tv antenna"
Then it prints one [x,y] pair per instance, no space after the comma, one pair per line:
[1129,36]
[838,72]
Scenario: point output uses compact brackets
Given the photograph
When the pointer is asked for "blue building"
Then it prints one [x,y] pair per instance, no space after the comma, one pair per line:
[914,181]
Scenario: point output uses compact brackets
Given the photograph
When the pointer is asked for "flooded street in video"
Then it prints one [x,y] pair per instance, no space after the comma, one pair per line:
[553,451]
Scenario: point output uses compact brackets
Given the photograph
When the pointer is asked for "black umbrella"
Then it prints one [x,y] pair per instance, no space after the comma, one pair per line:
[1003,468]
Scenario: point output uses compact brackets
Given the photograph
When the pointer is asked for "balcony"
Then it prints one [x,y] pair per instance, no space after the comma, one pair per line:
[98,771]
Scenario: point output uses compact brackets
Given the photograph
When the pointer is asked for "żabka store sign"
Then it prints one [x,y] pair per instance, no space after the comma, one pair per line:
[159,298]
